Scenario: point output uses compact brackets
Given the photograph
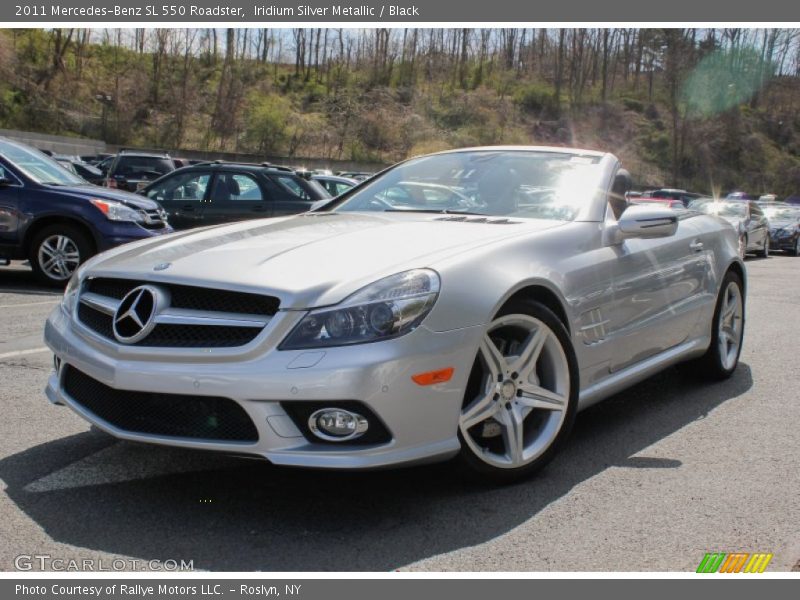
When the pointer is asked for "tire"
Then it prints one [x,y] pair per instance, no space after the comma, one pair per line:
[764,252]
[69,245]
[529,348]
[720,360]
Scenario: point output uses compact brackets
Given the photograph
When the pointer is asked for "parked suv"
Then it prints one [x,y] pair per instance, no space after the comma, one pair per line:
[219,192]
[57,220]
[132,170]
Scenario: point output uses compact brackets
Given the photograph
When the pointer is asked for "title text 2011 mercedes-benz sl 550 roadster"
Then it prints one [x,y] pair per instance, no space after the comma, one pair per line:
[462,304]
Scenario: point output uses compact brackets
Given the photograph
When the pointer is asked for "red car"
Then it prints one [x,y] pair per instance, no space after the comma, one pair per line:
[668,202]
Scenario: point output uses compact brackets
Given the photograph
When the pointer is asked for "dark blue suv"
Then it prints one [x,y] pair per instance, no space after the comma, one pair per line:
[57,220]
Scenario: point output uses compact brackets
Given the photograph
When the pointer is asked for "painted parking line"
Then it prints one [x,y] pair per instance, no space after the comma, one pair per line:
[24,352]
[30,304]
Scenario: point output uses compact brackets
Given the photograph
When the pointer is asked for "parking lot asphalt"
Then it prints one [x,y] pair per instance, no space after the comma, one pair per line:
[651,479]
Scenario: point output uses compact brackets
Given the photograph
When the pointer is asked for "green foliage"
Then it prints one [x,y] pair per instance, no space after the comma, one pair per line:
[536,98]
[656,146]
[267,123]
[633,104]
[314,92]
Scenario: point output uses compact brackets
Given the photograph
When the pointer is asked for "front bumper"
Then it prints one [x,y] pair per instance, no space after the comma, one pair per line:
[781,241]
[422,420]
[115,233]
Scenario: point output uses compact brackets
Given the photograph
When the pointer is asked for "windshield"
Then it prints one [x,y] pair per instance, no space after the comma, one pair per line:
[519,183]
[135,167]
[782,213]
[38,166]
[722,209]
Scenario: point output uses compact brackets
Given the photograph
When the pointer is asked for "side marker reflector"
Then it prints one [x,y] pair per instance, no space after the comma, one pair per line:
[432,377]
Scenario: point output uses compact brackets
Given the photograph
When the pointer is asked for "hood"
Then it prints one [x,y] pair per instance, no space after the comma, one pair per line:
[95,191]
[309,260]
[780,224]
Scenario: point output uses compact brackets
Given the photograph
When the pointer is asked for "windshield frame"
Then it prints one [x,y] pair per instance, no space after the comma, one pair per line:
[592,210]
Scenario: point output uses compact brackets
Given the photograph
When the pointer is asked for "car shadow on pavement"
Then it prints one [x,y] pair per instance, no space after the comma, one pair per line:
[19,279]
[246,515]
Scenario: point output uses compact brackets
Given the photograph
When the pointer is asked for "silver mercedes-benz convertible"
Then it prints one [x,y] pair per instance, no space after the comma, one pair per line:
[463,304]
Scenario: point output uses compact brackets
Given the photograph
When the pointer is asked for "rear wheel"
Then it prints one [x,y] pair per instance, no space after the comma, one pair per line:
[521,397]
[57,251]
[722,356]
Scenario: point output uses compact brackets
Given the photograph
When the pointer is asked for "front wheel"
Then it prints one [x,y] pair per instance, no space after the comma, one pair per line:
[521,396]
[57,251]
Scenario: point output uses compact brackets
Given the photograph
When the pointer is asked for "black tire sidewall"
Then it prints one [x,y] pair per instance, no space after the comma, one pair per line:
[488,473]
[80,240]
[713,357]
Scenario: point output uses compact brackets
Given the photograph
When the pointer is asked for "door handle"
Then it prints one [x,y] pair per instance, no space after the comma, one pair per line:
[187,208]
[696,246]
[259,209]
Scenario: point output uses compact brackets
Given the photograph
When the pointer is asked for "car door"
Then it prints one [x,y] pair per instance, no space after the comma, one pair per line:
[9,206]
[235,196]
[646,298]
[290,195]
[183,196]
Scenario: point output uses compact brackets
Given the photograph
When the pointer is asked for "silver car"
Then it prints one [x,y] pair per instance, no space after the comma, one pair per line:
[374,333]
[746,216]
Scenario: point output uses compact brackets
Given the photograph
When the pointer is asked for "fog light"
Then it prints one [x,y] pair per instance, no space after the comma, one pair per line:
[337,425]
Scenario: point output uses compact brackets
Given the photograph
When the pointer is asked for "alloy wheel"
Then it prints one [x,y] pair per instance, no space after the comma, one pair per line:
[522,399]
[58,257]
[730,325]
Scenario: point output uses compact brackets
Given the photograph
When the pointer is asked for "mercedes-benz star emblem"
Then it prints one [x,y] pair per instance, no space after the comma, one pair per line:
[135,317]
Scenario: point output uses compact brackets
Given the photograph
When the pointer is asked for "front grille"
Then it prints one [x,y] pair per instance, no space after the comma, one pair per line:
[153,219]
[192,297]
[96,321]
[199,336]
[173,336]
[209,302]
[173,415]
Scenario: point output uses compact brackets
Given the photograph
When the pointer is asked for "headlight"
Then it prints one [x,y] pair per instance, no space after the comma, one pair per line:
[386,309]
[71,292]
[115,211]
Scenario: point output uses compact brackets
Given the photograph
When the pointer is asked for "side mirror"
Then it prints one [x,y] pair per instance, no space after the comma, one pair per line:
[647,222]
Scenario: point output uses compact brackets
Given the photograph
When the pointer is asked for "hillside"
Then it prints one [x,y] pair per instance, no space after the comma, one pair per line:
[710,111]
